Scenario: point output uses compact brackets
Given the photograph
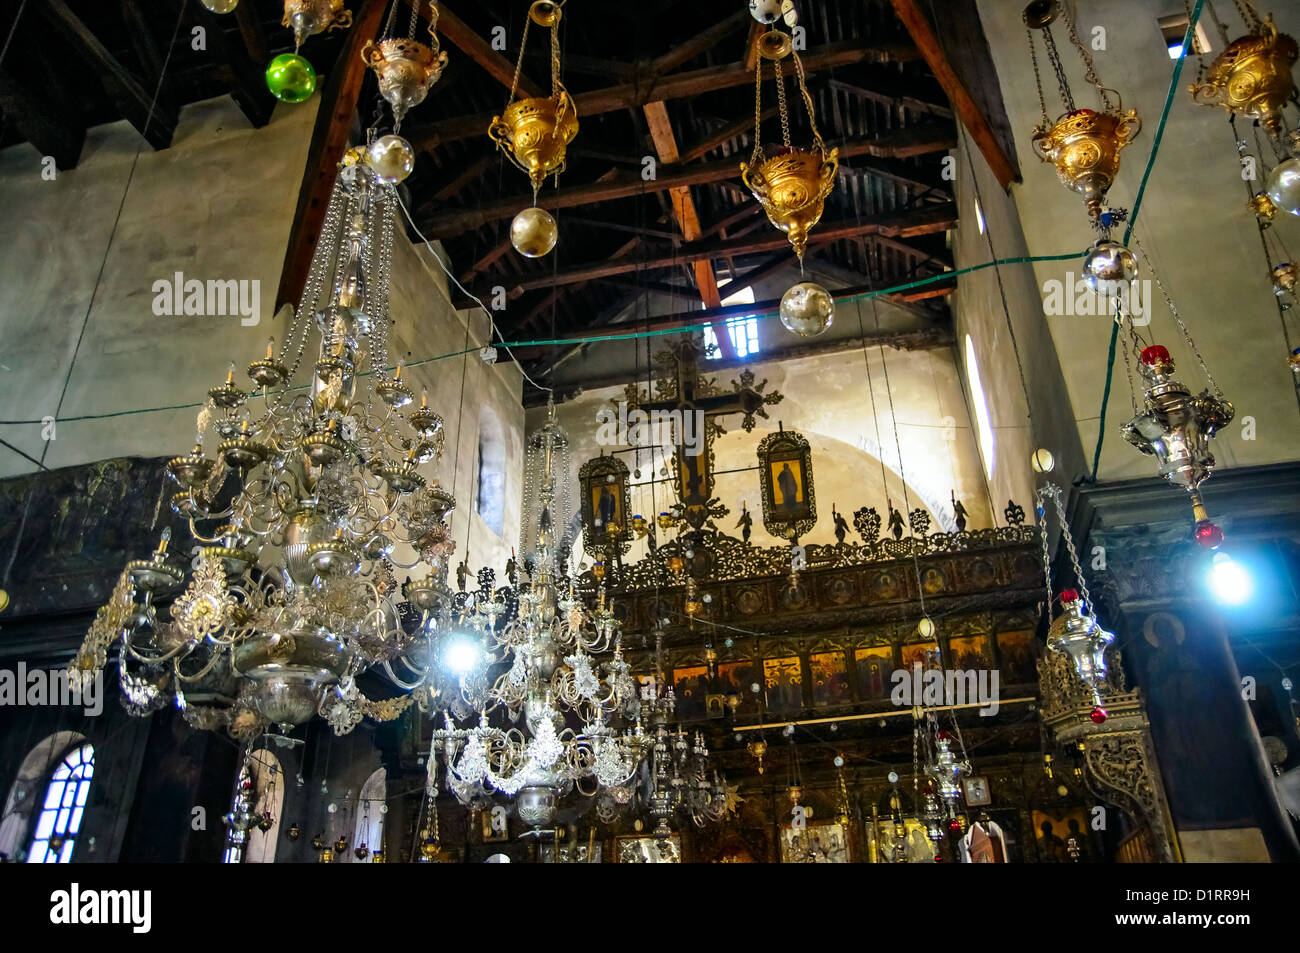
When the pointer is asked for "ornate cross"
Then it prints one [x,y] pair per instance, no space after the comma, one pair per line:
[694,403]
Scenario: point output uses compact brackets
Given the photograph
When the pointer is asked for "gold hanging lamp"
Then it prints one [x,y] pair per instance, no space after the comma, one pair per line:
[535,132]
[791,183]
[1252,75]
[1082,144]
[405,67]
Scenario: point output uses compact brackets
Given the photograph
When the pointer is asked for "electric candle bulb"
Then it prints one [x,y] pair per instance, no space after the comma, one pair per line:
[270,347]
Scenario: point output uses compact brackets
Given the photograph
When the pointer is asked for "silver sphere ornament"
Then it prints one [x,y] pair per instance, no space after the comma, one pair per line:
[1283,186]
[925,628]
[1042,461]
[534,232]
[1109,267]
[765,11]
[220,6]
[391,157]
[807,309]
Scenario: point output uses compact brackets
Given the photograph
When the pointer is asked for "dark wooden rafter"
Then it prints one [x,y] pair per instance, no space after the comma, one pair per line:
[143,42]
[674,86]
[329,141]
[52,129]
[156,121]
[700,43]
[928,221]
[250,28]
[890,94]
[914,140]
[251,94]
[706,282]
[972,117]
[728,132]
[457,33]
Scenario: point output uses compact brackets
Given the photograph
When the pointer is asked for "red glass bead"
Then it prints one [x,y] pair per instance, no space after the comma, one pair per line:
[1155,354]
[1069,595]
[943,735]
[1208,535]
[1099,715]
[938,859]
[954,825]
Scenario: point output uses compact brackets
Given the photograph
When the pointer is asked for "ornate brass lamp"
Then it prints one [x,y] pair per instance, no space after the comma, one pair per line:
[535,133]
[308,17]
[791,182]
[1082,144]
[1252,76]
[405,67]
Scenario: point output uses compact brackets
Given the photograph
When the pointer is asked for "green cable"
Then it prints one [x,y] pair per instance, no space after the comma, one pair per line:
[1189,43]
[595,339]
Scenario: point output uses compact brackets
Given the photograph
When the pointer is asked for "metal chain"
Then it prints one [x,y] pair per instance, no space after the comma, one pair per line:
[415,19]
[519,65]
[780,99]
[1219,24]
[1128,369]
[1038,79]
[433,22]
[1248,13]
[1054,491]
[1196,48]
[1054,57]
[808,103]
[392,17]
[1173,309]
[1090,70]
[555,62]
[757,155]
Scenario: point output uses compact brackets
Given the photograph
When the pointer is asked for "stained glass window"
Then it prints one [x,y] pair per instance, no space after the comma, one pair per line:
[65,802]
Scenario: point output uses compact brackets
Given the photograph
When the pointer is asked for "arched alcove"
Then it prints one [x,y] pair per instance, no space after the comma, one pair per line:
[268,781]
[490,471]
[369,830]
[48,797]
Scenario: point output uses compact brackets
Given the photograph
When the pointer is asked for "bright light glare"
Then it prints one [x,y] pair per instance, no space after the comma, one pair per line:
[1229,582]
[1175,51]
[461,655]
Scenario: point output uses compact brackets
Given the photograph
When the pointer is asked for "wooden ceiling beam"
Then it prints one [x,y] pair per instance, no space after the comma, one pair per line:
[699,43]
[155,121]
[51,129]
[891,94]
[251,94]
[250,28]
[456,32]
[915,140]
[472,172]
[728,132]
[675,86]
[923,222]
[329,140]
[972,117]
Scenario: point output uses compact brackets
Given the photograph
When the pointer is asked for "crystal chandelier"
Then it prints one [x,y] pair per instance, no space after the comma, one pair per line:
[556,718]
[300,500]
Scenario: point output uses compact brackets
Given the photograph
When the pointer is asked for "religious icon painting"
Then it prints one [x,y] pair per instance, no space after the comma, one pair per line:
[605,525]
[1061,837]
[1016,657]
[925,654]
[785,471]
[783,679]
[874,666]
[738,679]
[815,844]
[691,689]
[976,791]
[830,678]
[968,653]
[649,850]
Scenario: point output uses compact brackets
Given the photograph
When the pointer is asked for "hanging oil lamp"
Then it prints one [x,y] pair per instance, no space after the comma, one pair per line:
[1075,633]
[791,182]
[1252,76]
[535,134]
[1082,144]
[290,77]
[405,67]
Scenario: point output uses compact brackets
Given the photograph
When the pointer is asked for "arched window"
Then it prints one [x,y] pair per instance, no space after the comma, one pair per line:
[65,801]
[489,494]
[371,807]
[268,781]
[983,424]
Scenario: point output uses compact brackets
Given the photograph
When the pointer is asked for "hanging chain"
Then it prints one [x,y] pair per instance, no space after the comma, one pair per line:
[1054,57]
[1248,13]
[1054,491]
[1128,368]
[808,103]
[780,100]
[519,65]
[555,62]
[415,19]
[1090,70]
[1196,47]
[1038,79]
[757,155]
[1173,309]
[392,17]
